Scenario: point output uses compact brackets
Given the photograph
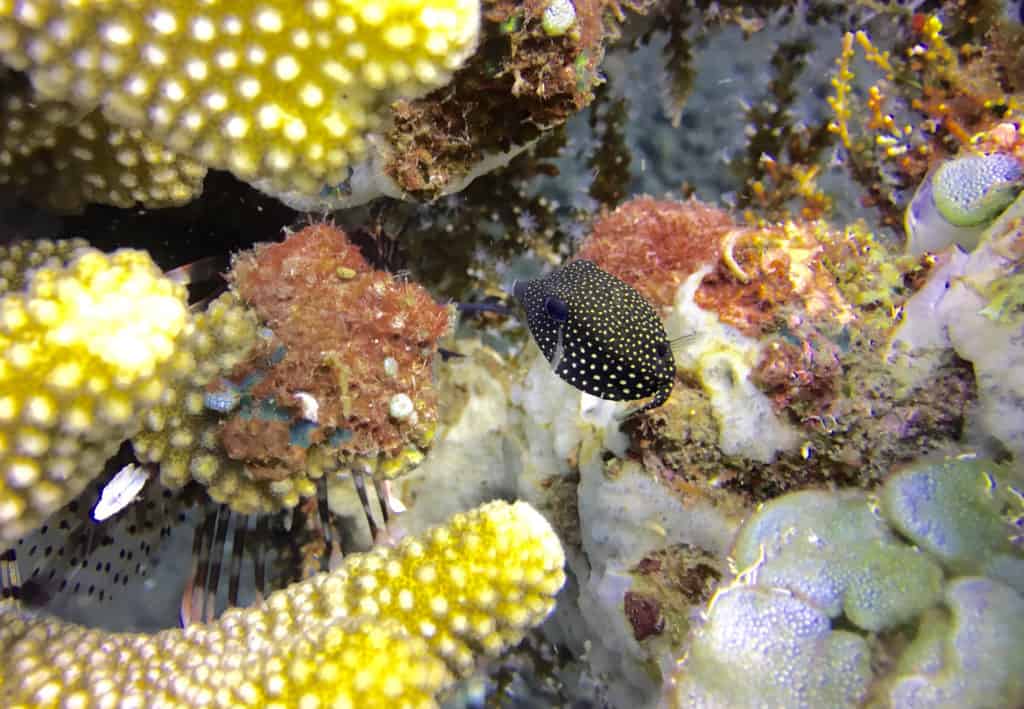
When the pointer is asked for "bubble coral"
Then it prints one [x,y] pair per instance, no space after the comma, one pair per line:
[276,91]
[85,349]
[389,627]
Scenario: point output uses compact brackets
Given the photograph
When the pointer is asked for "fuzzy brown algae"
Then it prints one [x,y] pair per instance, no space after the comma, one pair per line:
[599,334]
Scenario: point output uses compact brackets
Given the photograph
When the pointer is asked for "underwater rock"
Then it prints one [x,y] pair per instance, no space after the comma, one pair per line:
[951,312]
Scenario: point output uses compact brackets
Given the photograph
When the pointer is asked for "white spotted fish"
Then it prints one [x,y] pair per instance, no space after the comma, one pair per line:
[599,334]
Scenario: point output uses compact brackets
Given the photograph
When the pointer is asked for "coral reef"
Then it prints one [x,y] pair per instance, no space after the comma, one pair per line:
[950,312]
[390,627]
[243,89]
[809,557]
[316,361]
[86,349]
[796,524]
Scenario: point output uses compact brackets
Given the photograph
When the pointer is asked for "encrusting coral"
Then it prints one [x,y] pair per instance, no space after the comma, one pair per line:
[936,639]
[322,362]
[389,627]
[279,92]
[85,349]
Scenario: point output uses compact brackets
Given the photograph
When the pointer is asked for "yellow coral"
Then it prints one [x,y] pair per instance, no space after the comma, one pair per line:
[82,352]
[65,160]
[389,628]
[278,91]
[17,259]
[183,435]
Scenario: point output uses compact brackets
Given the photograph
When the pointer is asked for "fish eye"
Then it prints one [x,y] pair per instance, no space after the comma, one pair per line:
[556,308]
[661,350]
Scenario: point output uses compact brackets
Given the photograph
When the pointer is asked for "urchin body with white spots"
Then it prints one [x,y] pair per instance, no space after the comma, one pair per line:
[599,334]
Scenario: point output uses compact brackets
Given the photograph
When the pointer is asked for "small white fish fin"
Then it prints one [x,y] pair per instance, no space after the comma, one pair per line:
[677,343]
[559,354]
[122,489]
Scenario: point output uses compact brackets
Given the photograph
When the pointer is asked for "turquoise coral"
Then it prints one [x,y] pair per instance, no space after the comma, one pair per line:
[390,627]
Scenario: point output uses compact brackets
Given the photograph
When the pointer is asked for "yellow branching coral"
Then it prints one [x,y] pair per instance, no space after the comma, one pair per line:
[19,258]
[65,158]
[389,628]
[282,92]
[83,350]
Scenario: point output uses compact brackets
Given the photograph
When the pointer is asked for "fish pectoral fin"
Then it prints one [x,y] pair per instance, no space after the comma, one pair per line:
[559,353]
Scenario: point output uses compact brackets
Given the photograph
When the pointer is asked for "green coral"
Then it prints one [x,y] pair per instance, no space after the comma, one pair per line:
[772,635]
[788,653]
[971,657]
[832,551]
[979,502]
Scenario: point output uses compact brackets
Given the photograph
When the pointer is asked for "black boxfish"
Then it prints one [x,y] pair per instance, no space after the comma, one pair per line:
[599,334]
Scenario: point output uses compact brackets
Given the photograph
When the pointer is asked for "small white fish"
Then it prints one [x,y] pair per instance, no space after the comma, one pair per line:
[121,491]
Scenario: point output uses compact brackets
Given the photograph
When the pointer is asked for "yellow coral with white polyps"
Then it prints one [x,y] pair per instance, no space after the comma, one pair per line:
[389,628]
[83,351]
[278,91]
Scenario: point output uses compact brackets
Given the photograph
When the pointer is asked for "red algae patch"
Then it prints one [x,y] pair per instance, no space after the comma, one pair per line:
[754,274]
[346,341]
[654,244]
